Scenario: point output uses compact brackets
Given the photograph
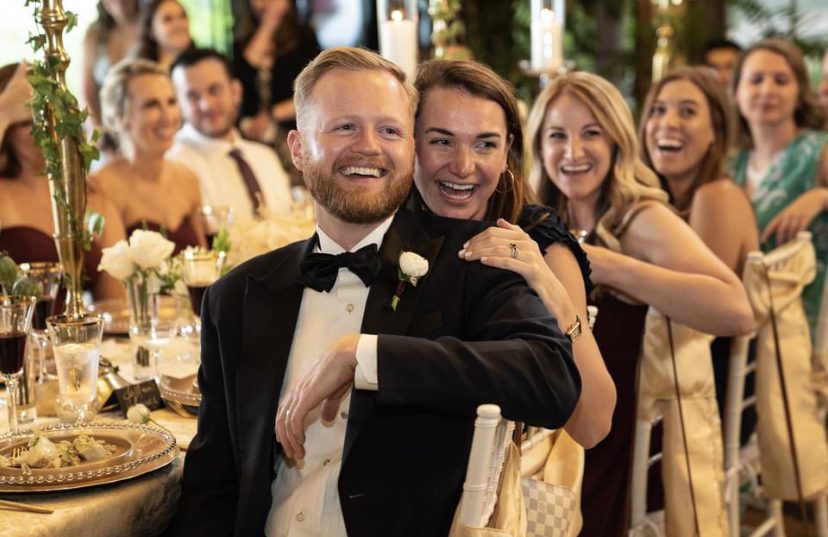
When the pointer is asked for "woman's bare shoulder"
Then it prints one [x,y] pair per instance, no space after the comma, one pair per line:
[722,194]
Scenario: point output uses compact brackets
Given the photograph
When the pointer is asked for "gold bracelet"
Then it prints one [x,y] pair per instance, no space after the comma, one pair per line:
[574,330]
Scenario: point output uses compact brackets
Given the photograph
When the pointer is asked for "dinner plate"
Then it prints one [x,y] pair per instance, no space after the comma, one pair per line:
[116,314]
[139,449]
[181,393]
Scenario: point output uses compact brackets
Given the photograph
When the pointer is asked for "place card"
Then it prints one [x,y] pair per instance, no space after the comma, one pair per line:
[145,393]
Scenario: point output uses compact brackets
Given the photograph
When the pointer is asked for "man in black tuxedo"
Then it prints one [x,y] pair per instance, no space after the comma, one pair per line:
[375,404]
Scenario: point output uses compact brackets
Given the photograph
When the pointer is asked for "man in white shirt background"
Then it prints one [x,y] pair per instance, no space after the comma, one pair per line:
[243,175]
[375,404]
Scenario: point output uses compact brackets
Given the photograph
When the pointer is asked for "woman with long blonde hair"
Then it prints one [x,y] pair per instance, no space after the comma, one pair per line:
[587,166]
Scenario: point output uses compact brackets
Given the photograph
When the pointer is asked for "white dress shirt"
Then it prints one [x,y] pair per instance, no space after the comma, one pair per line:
[218,174]
[305,495]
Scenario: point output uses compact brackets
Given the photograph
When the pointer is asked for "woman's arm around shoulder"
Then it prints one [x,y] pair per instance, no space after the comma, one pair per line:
[668,267]
[591,421]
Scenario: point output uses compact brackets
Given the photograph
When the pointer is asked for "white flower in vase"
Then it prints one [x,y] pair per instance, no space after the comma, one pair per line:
[117,261]
[149,249]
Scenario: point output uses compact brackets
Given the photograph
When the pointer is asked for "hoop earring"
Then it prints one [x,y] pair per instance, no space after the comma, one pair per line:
[511,182]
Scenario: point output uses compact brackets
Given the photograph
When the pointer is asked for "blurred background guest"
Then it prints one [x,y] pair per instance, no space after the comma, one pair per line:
[586,161]
[243,175]
[139,106]
[720,55]
[25,200]
[470,166]
[685,134]
[164,32]
[783,160]
[272,49]
[823,85]
[108,40]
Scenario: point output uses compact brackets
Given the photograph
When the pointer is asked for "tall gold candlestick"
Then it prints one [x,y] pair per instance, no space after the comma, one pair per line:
[68,185]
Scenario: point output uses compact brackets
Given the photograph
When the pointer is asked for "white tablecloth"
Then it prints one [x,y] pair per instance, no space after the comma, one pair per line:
[139,507]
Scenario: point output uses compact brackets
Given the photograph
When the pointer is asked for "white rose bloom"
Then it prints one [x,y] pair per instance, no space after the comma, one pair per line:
[149,249]
[116,261]
[413,265]
[138,414]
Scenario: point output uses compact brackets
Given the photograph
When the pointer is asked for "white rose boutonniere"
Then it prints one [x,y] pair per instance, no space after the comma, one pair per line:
[411,268]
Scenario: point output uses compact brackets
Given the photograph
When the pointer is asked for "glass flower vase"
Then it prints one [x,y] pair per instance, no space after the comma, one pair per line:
[146,338]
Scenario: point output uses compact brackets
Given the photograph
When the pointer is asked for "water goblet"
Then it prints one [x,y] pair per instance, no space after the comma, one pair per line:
[200,269]
[15,323]
[77,346]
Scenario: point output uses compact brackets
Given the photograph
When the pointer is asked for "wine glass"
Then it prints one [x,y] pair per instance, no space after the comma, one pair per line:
[15,323]
[215,218]
[199,270]
[49,275]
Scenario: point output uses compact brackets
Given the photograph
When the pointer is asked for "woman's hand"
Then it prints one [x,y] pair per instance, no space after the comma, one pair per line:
[602,261]
[508,247]
[797,216]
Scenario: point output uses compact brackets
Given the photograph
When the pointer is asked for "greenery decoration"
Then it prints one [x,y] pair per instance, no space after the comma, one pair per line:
[52,100]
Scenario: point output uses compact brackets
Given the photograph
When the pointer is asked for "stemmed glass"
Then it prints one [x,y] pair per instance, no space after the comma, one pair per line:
[49,275]
[215,218]
[199,270]
[15,323]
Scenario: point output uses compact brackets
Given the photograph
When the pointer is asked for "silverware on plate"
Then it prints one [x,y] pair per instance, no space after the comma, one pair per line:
[25,507]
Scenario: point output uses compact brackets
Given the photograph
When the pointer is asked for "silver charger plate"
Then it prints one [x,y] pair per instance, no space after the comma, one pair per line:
[140,449]
[181,394]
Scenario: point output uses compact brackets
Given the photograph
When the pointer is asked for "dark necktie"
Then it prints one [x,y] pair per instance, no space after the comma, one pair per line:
[249,178]
[319,271]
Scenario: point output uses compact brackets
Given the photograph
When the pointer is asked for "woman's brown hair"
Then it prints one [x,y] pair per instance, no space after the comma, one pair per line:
[512,192]
[721,119]
[809,113]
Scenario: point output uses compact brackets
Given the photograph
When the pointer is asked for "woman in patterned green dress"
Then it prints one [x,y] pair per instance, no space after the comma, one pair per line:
[783,161]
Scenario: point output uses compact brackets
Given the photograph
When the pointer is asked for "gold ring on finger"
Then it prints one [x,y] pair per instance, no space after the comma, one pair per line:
[514,248]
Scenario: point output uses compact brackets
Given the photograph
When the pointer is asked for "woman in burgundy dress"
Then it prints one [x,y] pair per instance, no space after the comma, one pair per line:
[25,201]
[139,106]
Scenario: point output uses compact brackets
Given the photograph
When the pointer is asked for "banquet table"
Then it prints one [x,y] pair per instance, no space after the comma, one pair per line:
[137,507]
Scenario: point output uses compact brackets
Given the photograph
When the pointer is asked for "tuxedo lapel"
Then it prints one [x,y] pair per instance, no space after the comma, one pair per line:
[271,308]
[405,234]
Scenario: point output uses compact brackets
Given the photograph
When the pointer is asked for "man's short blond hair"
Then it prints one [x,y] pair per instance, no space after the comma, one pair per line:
[350,59]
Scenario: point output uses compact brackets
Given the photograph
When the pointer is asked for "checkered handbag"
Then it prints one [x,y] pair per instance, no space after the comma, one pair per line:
[550,509]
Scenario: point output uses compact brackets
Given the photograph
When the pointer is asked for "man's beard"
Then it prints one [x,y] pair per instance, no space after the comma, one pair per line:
[350,205]
[212,130]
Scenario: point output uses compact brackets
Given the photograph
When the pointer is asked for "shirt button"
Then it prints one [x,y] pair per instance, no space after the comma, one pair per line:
[300,517]
[349,308]
[343,415]
[326,462]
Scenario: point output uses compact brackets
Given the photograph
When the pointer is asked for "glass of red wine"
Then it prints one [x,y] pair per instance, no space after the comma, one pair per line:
[200,268]
[49,275]
[15,323]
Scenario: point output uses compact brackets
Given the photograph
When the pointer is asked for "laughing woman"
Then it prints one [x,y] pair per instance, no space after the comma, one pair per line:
[685,135]
[469,166]
[139,107]
[642,254]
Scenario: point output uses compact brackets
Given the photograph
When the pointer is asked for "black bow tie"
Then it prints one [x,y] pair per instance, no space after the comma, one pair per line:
[319,271]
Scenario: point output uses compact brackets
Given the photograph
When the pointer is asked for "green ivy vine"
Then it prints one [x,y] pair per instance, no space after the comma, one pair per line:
[50,98]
